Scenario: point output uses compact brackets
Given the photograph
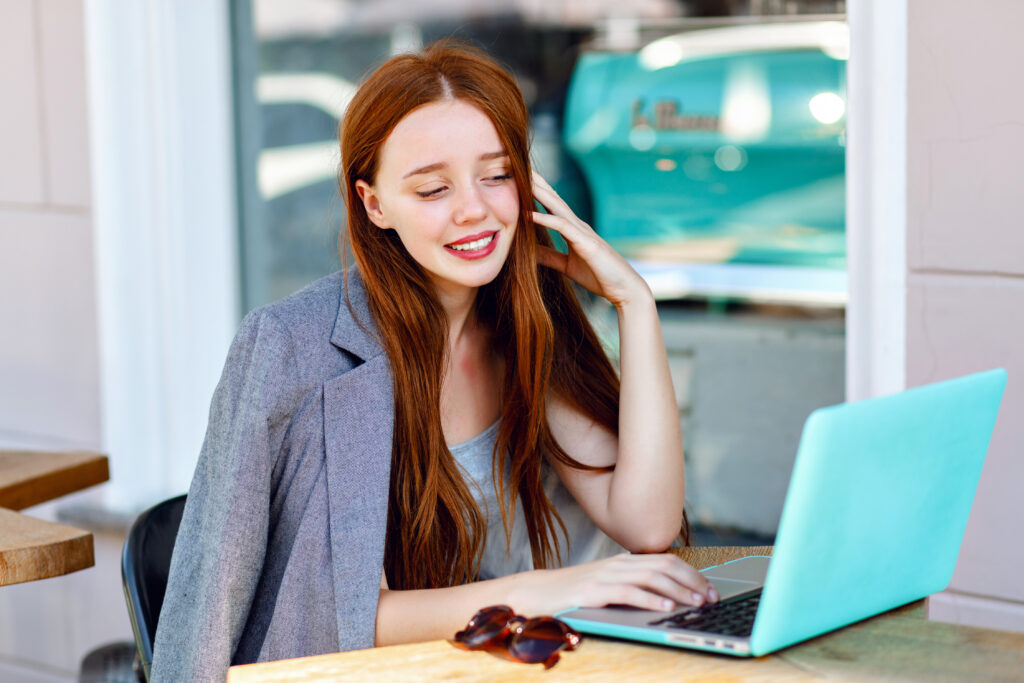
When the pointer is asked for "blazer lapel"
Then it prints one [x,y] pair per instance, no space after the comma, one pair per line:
[358,424]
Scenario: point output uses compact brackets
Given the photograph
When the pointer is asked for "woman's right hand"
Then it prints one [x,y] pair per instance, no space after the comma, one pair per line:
[654,582]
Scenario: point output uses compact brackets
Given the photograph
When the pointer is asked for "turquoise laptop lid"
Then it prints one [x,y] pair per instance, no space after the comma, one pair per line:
[877,506]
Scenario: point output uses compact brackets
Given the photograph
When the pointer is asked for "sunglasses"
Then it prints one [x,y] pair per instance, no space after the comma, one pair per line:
[500,631]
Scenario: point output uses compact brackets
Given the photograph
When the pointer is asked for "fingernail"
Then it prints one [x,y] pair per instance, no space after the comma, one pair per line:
[698,598]
[667,605]
[713,594]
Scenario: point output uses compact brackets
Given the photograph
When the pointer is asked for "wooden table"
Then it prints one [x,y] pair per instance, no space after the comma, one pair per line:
[30,548]
[898,645]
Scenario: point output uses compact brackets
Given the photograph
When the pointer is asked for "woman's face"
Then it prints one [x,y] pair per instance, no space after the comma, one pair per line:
[444,184]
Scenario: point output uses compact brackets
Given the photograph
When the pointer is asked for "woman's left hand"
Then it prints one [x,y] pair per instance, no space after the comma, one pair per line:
[591,262]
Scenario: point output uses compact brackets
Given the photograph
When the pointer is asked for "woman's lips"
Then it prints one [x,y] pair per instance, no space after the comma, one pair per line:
[474,246]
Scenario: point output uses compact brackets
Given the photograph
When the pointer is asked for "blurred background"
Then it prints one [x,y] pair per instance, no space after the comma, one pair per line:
[170,165]
[685,138]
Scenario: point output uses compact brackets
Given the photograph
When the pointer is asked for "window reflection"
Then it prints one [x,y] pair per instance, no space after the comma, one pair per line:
[703,138]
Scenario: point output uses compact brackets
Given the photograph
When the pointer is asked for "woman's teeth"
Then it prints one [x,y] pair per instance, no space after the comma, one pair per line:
[472,246]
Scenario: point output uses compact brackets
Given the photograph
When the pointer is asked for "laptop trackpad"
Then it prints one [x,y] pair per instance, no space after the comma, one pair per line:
[729,587]
[739,576]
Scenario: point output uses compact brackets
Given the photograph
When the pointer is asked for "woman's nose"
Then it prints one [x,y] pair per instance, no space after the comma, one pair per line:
[469,206]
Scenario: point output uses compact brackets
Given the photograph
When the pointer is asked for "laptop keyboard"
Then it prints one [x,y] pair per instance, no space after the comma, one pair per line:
[730,618]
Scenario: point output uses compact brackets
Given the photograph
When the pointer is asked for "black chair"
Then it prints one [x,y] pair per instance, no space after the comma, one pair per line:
[145,563]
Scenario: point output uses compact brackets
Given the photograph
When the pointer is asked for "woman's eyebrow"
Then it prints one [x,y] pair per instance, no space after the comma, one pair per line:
[424,169]
[439,165]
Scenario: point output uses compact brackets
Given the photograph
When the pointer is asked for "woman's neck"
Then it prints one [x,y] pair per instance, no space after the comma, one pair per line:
[459,309]
[471,386]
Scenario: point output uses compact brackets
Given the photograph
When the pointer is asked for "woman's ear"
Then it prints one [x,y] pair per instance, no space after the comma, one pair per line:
[371,202]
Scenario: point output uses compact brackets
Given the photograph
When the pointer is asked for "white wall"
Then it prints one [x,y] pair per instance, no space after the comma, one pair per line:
[118,276]
[965,264]
[49,367]
[49,349]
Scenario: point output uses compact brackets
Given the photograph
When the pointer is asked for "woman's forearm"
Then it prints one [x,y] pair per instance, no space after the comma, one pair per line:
[647,490]
[641,504]
[410,616]
[653,582]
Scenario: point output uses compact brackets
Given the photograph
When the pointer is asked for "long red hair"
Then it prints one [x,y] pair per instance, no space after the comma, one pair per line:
[435,530]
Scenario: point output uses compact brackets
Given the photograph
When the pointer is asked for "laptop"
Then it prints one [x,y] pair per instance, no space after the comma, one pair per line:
[876,509]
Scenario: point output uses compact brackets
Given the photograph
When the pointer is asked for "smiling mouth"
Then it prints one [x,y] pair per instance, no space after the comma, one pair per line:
[473,244]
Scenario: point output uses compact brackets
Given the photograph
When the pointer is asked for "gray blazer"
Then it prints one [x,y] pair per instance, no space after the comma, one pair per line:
[281,544]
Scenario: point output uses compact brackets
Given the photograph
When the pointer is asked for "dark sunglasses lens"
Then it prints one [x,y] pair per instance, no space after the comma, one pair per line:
[540,638]
[486,625]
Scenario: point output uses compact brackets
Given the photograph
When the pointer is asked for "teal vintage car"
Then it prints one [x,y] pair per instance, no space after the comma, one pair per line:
[715,159]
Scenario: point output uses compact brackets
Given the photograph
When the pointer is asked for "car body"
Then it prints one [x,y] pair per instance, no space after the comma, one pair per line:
[715,159]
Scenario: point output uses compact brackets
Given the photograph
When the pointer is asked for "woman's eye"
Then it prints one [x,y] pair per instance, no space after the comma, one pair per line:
[430,193]
[500,178]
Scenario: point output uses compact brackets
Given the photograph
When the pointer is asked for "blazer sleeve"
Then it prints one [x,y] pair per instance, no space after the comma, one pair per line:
[222,541]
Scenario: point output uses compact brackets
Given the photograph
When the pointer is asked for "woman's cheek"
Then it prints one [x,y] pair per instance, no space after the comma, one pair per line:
[508,213]
[431,218]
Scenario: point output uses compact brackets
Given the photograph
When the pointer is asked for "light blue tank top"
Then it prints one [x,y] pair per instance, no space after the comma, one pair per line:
[585,541]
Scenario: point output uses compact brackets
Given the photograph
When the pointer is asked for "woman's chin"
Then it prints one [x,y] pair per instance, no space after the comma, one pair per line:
[450,286]
[470,274]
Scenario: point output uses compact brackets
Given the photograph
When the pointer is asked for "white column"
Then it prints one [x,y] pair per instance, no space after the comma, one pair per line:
[876,198]
[165,230]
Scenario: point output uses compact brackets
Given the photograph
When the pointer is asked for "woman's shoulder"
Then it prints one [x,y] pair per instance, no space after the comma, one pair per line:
[303,325]
[313,312]
[289,347]
[316,302]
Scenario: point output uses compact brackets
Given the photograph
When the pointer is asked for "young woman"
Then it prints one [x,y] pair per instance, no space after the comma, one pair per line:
[436,429]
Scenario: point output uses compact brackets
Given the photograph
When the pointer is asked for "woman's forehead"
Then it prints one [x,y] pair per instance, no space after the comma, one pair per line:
[440,133]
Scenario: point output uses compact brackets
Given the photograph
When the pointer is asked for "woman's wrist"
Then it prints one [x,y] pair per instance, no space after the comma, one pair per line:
[524,590]
[640,298]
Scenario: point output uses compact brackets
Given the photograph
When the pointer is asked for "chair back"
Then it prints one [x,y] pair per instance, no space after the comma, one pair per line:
[145,563]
